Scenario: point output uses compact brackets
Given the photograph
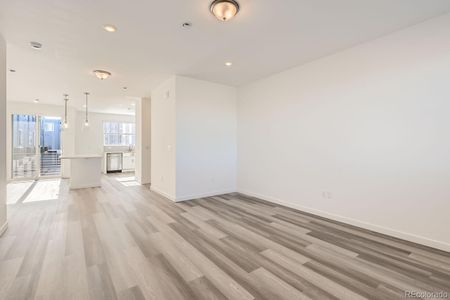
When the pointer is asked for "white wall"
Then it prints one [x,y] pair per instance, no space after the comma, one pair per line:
[3,221]
[369,125]
[143,125]
[193,139]
[163,162]
[205,138]
[90,139]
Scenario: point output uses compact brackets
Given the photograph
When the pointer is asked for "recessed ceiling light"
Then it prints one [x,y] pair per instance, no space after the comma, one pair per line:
[12,70]
[84,105]
[228,64]
[110,28]
[186,25]
[101,74]
[224,10]
[36,45]
[132,104]
[36,100]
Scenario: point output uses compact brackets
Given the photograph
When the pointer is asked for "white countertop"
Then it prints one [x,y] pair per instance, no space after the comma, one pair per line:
[118,152]
[79,156]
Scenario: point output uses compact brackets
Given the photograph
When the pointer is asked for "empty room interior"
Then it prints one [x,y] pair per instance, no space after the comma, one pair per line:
[225,149]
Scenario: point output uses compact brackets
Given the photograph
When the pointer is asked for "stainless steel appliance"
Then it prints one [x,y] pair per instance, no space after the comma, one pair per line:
[113,162]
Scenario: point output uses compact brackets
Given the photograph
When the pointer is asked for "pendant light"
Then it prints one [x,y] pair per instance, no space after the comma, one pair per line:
[86,120]
[66,100]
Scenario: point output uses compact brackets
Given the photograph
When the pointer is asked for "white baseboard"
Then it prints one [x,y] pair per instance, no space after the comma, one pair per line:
[3,228]
[164,194]
[204,195]
[190,197]
[376,228]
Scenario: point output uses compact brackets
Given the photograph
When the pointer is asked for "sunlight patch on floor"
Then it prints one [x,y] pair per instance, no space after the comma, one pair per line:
[17,190]
[128,178]
[44,190]
[128,181]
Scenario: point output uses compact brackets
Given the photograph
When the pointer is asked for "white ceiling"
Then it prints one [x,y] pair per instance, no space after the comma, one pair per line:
[267,36]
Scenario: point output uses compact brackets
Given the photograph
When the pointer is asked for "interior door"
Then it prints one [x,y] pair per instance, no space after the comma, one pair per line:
[25,156]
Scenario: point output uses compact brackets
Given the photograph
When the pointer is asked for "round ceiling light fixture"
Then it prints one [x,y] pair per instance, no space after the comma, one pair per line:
[224,10]
[101,74]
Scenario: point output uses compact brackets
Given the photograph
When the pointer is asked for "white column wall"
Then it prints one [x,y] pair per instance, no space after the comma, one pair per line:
[143,140]
[193,139]
[206,138]
[3,214]
[163,140]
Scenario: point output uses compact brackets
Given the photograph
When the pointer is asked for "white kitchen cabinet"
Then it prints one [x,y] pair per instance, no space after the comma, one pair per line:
[128,162]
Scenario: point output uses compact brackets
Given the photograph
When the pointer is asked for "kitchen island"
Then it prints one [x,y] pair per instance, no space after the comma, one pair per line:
[85,170]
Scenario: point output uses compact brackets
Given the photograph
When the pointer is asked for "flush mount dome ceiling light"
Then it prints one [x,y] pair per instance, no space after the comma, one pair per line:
[224,10]
[102,74]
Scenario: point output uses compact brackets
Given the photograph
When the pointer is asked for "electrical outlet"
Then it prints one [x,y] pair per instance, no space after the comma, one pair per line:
[161,178]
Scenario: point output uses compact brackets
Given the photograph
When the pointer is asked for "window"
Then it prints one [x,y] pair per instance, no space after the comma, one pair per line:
[49,127]
[20,138]
[119,133]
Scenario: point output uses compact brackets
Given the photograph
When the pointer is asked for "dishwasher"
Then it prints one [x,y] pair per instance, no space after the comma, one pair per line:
[113,162]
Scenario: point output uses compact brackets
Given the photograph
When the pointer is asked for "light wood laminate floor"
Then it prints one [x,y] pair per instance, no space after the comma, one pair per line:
[123,241]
